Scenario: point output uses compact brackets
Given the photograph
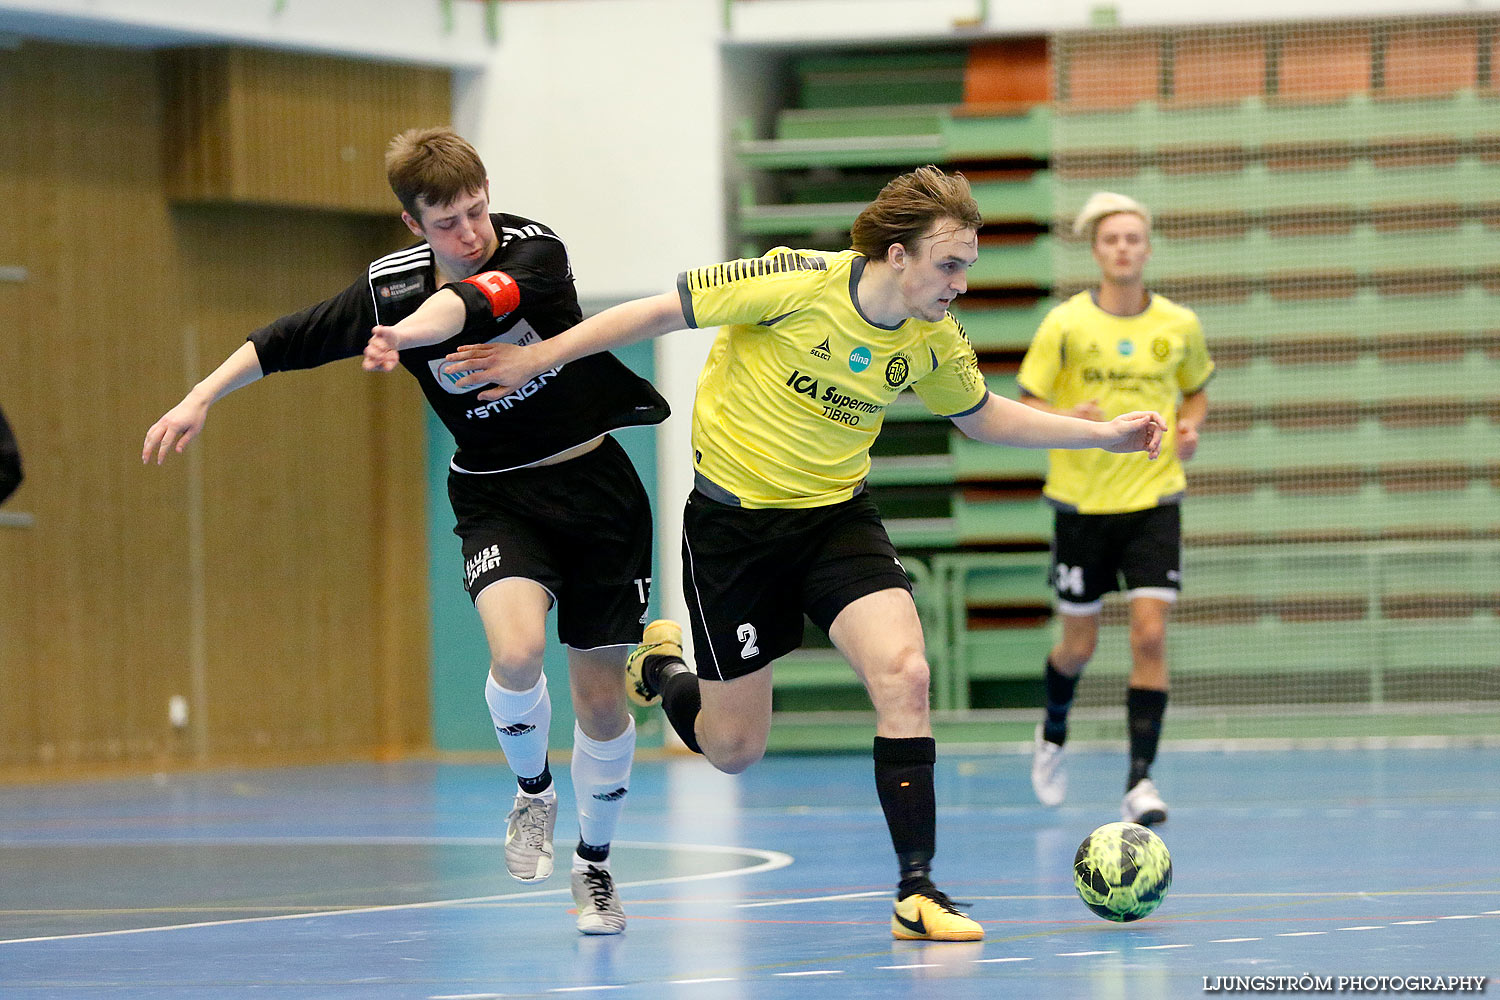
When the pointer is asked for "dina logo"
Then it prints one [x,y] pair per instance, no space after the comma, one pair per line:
[822,352]
[859,359]
[614,796]
[896,371]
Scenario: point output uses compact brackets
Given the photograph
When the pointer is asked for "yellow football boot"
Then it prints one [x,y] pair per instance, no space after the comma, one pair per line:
[929,915]
[661,638]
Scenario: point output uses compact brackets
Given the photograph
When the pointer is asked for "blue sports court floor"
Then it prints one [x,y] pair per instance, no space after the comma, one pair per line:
[377,882]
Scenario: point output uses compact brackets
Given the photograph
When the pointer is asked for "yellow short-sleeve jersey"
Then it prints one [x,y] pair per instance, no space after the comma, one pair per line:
[1143,362]
[796,385]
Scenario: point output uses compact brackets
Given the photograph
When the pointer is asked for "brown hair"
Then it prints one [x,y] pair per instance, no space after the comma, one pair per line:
[436,165]
[909,205]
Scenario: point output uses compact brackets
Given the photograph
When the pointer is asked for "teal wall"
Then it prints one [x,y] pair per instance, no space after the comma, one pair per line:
[460,658]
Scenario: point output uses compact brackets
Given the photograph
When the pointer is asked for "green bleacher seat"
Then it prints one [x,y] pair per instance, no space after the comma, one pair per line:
[1368,443]
[1371,510]
[926,120]
[1025,134]
[965,460]
[1026,199]
[991,328]
[1368,377]
[851,80]
[1002,520]
[1026,264]
[1358,184]
[1368,312]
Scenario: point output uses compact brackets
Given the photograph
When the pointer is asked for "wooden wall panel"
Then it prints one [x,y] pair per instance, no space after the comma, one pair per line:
[251,575]
[252,126]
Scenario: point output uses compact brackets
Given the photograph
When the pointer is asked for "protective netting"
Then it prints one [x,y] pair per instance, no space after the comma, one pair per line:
[1327,199]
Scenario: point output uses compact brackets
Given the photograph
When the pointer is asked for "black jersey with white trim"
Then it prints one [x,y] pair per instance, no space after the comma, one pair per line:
[555,411]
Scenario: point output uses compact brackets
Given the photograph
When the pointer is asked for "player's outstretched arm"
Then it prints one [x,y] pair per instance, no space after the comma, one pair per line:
[181,423]
[1005,421]
[439,317]
[508,366]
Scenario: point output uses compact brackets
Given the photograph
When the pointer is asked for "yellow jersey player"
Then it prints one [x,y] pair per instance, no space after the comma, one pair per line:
[813,347]
[1103,352]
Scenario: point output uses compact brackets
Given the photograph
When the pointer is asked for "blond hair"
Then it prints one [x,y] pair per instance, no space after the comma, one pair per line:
[1102,204]
[436,165]
[908,206]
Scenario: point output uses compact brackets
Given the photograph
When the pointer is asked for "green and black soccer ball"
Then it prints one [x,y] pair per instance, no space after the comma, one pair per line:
[1122,871]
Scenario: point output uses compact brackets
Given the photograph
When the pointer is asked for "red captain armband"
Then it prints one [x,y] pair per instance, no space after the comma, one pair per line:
[500,290]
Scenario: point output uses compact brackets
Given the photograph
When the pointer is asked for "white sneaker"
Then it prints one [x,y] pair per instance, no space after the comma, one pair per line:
[1048,778]
[599,909]
[1143,804]
[528,836]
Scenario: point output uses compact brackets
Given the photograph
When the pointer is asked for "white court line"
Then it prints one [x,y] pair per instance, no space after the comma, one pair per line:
[695,982]
[1368,927]
[1461,916]
[1081,954]
[1231,940]
[1302,933]
[1161,947]
[583,989]
[813,972]
[812,899]
[988,961]
[1409,923]
[772,861]
[918,965]
[468,996]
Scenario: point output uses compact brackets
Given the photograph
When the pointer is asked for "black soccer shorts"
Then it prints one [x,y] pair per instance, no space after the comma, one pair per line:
[750,575]
[581,529]
[1092,552]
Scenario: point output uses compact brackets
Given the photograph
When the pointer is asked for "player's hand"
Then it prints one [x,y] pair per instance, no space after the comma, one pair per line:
[174,430]
[383,351]
[1187,439]
[1140,430]
[1088,411]
[502,366]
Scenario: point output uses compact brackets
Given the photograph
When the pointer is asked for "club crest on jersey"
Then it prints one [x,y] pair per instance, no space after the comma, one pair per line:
[897,371]
[402,288]
[859,359]
[1126,348]
[822,352]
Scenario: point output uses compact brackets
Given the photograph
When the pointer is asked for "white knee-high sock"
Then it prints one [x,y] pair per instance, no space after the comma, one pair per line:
[522,720]
[601,779]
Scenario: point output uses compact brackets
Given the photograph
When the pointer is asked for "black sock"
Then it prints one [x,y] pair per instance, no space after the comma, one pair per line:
[1059,700]
[679,697]
[903,780]
[539,784]
[1144,709]
[590,852]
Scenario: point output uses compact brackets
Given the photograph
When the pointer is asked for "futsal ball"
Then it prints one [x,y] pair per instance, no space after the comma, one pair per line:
[1122,871]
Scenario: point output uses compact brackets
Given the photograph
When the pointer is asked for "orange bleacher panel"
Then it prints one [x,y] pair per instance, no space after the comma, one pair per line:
[1430,60]
[1218,67]
[1324,65]
[1112,72]
[1007,75]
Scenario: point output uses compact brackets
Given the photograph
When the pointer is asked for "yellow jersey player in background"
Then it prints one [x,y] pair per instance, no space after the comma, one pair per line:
[1103,352]
[814,346]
